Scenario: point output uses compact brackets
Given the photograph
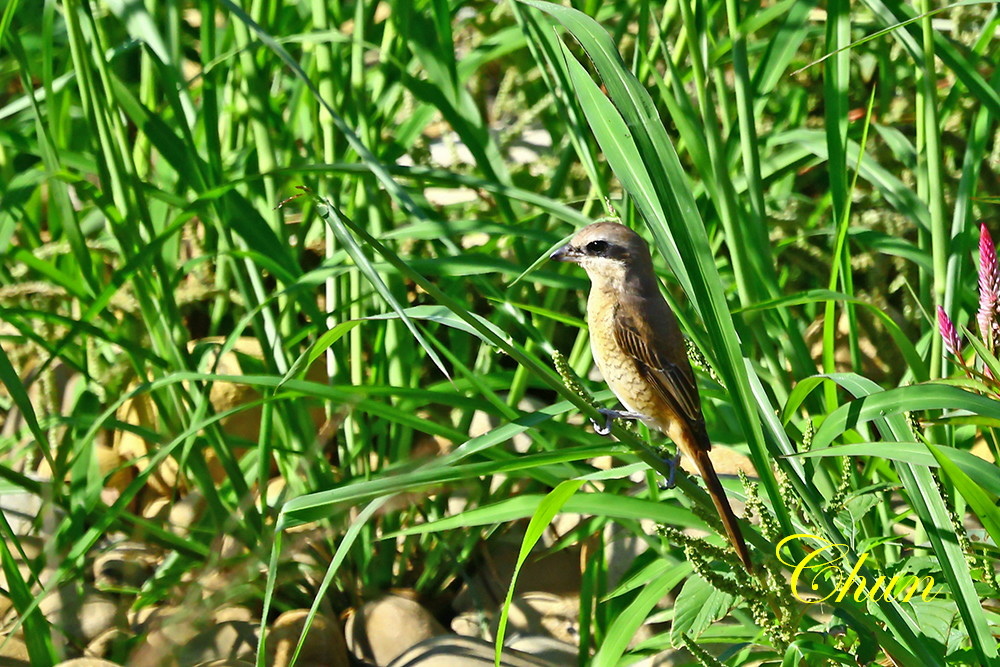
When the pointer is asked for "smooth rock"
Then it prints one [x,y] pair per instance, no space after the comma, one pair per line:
[110,464]
[244,358]
[542,613]
[81,614]
[179,643]
[456,651]
[557,573]
[234,613]
[621,547]
[140,410]
[86,662]
[552,651]
[383,629]
[185,512]
[144,619]
[20,509]
[324,645]
[243,425]
[982,449]
[157,510]
[125,565]
[472,624]
[14,653]
[113,642]
[178,636]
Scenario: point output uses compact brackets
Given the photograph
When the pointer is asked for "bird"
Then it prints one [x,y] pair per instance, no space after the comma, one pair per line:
[640,351]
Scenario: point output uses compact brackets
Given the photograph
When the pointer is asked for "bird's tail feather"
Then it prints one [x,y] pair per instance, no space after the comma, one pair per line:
[718,494]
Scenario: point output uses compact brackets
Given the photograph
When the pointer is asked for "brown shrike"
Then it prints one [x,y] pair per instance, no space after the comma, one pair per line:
[640,351]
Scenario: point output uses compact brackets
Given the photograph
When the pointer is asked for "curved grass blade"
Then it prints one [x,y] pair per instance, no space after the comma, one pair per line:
[335,218]
[879,405]
[547,509]
[629,131]
[980,503]
[979,471]
[885,408]
[625,625]
[608,505]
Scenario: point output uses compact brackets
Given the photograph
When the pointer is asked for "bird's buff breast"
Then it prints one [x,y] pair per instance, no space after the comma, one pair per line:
[618,369]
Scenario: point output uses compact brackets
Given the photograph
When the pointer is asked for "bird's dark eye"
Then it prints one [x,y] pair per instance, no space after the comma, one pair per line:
[597,247]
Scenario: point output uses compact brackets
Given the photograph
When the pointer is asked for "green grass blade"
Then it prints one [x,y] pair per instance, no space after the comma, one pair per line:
[540,520]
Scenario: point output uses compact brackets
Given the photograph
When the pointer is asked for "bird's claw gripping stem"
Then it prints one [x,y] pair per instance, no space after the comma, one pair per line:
[672,463]
[605,429]
[610,416]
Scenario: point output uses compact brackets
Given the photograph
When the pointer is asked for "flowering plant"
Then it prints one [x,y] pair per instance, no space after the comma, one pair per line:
[987,317]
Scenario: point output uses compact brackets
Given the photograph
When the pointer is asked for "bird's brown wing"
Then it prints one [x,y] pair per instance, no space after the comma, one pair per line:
[673,383]
[654,354]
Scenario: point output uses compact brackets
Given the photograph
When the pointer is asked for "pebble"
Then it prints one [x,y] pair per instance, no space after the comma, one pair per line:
[455,651]
[384,628]
[324,646]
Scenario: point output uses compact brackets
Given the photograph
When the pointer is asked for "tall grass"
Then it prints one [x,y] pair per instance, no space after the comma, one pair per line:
[810,180]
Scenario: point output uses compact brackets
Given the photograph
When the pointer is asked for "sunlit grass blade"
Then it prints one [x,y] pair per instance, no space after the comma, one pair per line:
[980,472]
[973,493]
[670,212]
[37,632]
[881,404]
[543,515]
[927,502]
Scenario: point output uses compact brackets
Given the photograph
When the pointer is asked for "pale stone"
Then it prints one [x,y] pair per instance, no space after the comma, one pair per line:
[234,613]
[456,651]
[553,651]
[324,644]
[13,653]
[180,643]
[982,449]
[81,614]
[125,565]
[224,396]
[142,619]
[185,513]
[726,461]
[110,642]
[20,509]
[472,624]
[141,411]
[383,629]
[541,613]
[621,548]
[558,573]
[157,510]
[110,464]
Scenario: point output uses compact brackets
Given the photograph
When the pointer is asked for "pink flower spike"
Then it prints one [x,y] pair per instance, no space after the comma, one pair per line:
[989,287]
[948,333]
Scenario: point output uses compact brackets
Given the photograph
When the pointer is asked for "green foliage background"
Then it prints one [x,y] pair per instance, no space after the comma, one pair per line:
[810,176]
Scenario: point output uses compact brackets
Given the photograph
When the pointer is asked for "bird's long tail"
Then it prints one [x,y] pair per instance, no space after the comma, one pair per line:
[718,494]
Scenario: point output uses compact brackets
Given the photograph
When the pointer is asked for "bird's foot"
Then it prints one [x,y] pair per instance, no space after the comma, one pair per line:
[610,416]
[672,463]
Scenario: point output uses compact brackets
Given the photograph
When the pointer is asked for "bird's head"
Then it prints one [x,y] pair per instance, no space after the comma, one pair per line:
[608,251]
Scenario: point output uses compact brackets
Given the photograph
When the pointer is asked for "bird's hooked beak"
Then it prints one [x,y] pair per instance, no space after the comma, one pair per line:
[567,253]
